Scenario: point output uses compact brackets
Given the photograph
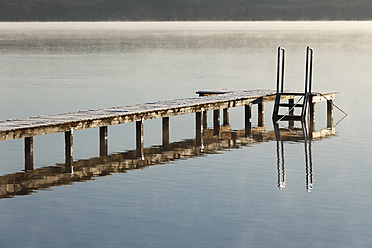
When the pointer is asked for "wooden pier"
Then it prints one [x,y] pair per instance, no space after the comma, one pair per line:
[209,100]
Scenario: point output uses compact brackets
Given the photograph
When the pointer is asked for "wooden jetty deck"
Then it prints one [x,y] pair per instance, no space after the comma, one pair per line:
[28,182]
[214,100]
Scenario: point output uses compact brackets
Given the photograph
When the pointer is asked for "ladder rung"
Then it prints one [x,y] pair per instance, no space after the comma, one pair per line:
[290,105]
[289,117]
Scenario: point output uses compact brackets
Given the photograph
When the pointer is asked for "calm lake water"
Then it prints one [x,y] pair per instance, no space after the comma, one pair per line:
[226,197]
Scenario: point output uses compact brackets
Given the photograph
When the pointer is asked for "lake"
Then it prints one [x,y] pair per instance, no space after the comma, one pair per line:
[227,196]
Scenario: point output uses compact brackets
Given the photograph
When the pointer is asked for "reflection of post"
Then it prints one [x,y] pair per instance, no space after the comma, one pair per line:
[216,122]
[308,166]
[103,141]
[139,138]
[329,113]
[226,118]
[69,150]
[291,111]
[198,128]
[260,114]
[29,153]
[165,131]
[280,158]
[248,119]
[205,119]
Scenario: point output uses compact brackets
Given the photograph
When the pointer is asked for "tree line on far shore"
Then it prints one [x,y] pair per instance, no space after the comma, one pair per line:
[184,10]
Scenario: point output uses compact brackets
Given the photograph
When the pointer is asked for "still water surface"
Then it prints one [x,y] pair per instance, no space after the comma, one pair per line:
[226,198]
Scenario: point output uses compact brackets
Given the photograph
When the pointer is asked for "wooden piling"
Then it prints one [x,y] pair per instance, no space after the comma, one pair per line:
[198,128]
[216,122]
[103,141]
[291,111]
[69,152]
[226,118]
[139,138]
[260,114]
[165,127]
[205,119]
[329,114]
[29,153]
[311,115]
[248,119]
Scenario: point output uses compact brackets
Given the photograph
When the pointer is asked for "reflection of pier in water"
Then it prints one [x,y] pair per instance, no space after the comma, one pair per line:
[293,134]
[43,178]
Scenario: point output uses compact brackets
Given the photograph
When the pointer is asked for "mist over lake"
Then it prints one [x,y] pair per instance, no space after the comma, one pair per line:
[225,197]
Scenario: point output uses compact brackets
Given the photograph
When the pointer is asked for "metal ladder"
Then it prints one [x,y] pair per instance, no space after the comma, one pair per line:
[304,96]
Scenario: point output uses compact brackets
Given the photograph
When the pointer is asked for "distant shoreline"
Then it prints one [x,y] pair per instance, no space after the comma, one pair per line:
[192,25]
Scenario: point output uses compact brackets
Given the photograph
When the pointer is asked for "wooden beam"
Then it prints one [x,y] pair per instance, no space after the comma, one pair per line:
[165,125]
[139,138]
[103,141]
[29,153]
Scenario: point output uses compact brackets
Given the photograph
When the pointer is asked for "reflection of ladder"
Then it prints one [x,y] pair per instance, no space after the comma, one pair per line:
[304,96]
[308,159]
[295,135]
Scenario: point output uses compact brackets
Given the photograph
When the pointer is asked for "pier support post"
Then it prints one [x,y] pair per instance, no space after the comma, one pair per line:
[311,116]
[198,128]
[329,113]
[205,119]
[165,126]
[139,138]
[260,114]
[103,141]
[226,119]
[69,150]
[248,119]
[216,122]
[29,153]
[291,112]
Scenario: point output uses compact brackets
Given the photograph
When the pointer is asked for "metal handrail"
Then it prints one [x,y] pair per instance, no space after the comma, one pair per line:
[309,69]
[308,77]
[280,70]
